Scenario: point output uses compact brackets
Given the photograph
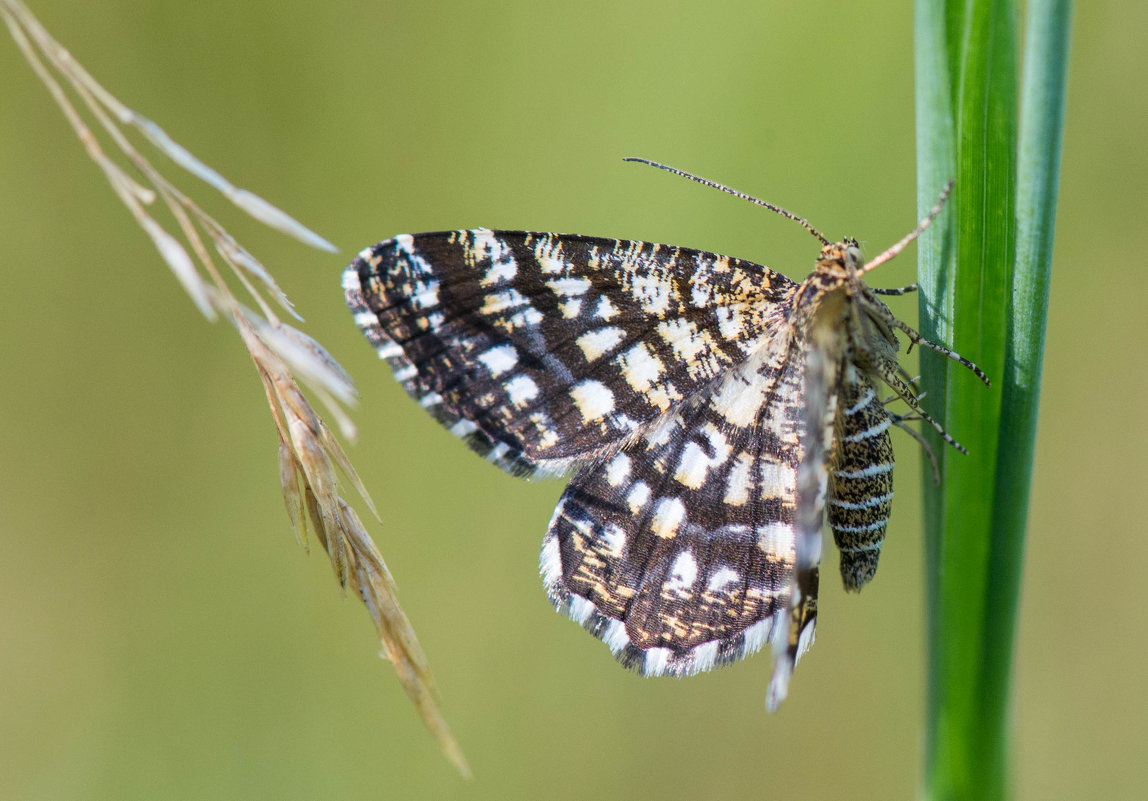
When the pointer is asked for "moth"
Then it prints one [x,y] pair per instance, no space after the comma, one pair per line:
[710,412]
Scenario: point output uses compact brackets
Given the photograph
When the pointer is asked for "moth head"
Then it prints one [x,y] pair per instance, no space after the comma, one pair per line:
[837,287]
[841,262]
[828,292]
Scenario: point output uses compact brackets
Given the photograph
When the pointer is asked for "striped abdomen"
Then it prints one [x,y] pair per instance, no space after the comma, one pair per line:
[861,489]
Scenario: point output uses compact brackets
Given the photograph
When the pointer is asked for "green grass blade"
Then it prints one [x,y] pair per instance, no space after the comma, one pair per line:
[985,125]
[936,165]
[1038,171]
[984,292]
[965,307]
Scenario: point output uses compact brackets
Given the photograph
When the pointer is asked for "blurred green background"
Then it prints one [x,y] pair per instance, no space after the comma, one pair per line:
[163,636]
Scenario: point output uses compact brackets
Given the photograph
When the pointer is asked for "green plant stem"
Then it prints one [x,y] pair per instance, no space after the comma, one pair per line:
[984,292]
[936,164]
[1038,171]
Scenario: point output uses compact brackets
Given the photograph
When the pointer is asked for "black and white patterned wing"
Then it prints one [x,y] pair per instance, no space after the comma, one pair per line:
[679,551]
[821,359]
[546,351]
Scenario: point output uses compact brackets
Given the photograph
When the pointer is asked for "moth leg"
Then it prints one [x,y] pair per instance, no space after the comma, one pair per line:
[899,421]
[911,399]
[887,316]
[901,290]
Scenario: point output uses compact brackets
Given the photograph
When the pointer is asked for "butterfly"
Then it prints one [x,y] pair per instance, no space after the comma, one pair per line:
[711,414]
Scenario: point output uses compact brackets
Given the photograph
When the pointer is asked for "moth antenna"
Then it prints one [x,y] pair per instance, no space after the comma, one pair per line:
[776,209]
[892,251]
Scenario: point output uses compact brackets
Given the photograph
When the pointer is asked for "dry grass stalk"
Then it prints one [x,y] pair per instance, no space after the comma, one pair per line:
[310,459]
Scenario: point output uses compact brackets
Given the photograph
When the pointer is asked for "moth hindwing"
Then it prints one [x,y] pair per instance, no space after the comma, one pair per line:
[708,409]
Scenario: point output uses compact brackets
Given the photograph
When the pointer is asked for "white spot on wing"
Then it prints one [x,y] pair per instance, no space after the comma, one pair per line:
[580,609]
[389,350]
[605,309]
[683,337]
[481,244]
[741,394]
[615,636]
[695,463]
[700,292]
[805,640]
[569,286]
[351,280]
[668,515]
[548,252]
[776,478]
[499,359]
[599,342]
[737,481]
[718,444]
[366,319]
[501,270]
[721,578]
[615,540]
[664,431]
[626,423]
[593,399]
[777,539]
[571,308]
[511,305]
[730,324]
[638,496]
[497,302]
[657,661]
[550,560]
[521,390]
[757,635]
[692,467]
[683,574]
[463,428]
[618,470]
[640,368]
[704,656]
[653,292]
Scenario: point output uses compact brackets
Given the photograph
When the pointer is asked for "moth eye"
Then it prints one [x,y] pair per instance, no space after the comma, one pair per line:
[853,256]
